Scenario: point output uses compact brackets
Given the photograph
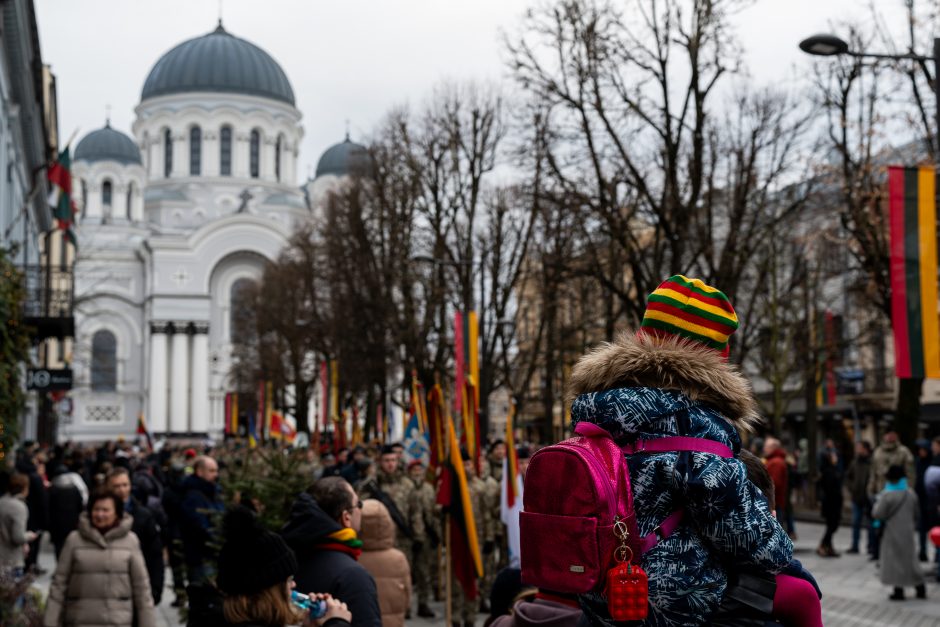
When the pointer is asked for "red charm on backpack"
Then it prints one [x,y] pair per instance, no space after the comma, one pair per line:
[627,592]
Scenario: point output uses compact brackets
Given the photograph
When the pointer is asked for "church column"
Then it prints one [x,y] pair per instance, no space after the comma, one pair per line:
[199,405]
[156,418]
[210,152]
[179,380]
[241,145]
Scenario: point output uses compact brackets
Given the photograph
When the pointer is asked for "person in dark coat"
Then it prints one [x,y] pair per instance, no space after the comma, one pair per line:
[37,501]
[922,461]
[172,536]
[856,480]
[323,531]
[830,495]
[202,503]
[66,504]
[146,528]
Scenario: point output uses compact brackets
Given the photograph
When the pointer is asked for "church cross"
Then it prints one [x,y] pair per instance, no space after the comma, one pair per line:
[245,196]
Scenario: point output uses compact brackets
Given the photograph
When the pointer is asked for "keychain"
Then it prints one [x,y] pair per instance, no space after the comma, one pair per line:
[627,588]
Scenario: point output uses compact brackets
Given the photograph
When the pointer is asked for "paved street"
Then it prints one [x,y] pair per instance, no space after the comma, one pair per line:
[852,594]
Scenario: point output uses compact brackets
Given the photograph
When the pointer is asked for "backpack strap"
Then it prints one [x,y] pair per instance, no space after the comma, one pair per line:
[668,445]
[678,443]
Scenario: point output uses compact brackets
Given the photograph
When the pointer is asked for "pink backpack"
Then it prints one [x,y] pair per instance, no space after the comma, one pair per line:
[575,493]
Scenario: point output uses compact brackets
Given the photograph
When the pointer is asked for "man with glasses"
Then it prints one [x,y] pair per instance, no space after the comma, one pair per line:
[323,532]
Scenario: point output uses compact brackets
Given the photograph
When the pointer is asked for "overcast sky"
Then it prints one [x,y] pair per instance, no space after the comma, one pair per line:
[347,59]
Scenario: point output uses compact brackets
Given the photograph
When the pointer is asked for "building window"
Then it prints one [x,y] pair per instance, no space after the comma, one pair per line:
[195,151]
[106,193]
[167,153]
[240,311]
[84,198]
[225,151]
[130,201]
[103,362]
[255,154]
[277,159]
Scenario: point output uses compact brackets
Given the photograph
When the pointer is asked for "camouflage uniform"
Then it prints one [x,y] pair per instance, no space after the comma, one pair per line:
[398,487]
[465,610]
[424,566]
[491,559]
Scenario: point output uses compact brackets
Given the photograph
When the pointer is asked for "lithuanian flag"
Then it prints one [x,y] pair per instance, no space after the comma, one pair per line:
[913,263]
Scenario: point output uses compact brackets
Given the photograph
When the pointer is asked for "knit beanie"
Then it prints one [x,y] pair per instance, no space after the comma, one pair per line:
[689,309]
[252,559]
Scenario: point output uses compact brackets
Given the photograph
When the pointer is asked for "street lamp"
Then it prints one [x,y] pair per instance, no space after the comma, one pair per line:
[826,45]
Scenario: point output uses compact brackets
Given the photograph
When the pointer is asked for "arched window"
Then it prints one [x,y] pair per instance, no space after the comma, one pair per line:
[84,198]
[195,151]
[167,152]
[106,193]
[277,159]
[225,151]
[254,154]
[130,201]
[103,362]
[240,312]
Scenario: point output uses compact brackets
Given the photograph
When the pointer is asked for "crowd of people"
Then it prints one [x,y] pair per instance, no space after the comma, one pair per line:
[366,532]
[362,537]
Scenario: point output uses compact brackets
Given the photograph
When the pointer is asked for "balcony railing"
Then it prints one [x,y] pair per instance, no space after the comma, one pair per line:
[49,300]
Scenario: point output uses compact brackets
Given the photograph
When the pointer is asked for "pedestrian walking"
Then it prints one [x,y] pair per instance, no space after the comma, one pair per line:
[14,534]
[32,464]
[201,505]
[673,379]
[829,492]
[922,460]
[775,459]
[889,453]
[856,480]
[896,510]
[101,578]
[323,530]
[387,565]
[66,503]
[256,570]
[144,526]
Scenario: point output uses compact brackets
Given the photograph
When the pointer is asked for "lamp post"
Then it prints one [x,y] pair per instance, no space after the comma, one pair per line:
[826,45]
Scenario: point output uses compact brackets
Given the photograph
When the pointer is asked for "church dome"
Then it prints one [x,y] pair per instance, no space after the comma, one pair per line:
[344,158]
[107,144]
[218,62]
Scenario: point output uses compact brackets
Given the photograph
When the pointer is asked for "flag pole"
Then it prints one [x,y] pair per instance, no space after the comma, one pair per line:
[448,612]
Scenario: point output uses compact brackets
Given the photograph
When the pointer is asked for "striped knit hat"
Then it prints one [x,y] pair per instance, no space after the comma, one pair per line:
[690,309]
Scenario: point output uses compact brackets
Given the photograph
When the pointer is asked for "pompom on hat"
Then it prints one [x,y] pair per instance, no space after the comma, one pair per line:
[688,308]
[252,558]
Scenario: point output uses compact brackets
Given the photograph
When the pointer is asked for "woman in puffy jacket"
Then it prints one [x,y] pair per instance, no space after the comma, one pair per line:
[673,379]
[387,565]
[101,578]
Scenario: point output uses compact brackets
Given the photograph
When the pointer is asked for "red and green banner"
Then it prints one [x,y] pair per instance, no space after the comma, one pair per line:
[913,262]
[231,413]
[60,194]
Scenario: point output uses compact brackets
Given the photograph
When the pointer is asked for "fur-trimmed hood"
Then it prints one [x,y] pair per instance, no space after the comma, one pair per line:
[672,364]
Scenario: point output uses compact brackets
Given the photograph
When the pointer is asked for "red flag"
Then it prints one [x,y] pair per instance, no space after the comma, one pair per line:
[454,496]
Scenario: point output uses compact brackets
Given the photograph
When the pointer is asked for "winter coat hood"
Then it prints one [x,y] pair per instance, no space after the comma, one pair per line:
[378,530]
[674,365]
[195,482]
[308,525]
[92,534]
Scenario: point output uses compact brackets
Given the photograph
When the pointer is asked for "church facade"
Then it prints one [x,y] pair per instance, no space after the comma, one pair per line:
[174,223]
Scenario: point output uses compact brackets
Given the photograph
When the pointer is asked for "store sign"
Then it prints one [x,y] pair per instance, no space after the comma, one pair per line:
[44,380]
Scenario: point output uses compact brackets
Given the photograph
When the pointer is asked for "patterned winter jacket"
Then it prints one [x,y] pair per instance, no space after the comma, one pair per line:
[640,388]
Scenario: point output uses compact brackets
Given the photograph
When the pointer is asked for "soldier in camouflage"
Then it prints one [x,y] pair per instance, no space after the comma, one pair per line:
[466,609]
[424,548]
[393,488]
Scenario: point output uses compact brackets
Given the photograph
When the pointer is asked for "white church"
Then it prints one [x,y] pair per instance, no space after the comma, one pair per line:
[173,223]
